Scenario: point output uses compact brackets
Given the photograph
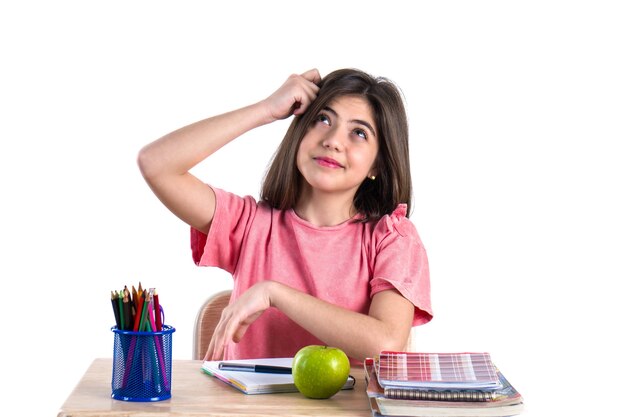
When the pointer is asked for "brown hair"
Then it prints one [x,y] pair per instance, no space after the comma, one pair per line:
[374,198]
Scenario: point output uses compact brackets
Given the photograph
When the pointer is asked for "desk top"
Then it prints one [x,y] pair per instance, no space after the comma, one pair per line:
[196,394]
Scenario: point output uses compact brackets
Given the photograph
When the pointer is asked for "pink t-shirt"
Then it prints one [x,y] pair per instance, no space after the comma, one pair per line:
[345,265]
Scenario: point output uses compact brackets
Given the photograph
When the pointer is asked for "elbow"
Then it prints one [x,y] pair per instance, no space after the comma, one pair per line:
[370,347]
[398,341]
[147,164]
[392,344]
[389,344]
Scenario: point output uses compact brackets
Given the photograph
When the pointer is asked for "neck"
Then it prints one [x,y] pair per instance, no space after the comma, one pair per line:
[324,209]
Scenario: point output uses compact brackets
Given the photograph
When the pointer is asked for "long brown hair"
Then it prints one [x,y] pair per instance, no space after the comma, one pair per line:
[374,198]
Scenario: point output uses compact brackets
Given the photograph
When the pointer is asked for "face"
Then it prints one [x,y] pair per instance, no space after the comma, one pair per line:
[339,150]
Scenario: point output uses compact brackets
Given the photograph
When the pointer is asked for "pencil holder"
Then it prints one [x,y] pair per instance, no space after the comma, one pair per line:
[142,365]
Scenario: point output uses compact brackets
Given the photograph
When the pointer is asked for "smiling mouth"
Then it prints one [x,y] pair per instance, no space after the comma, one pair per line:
[328,162]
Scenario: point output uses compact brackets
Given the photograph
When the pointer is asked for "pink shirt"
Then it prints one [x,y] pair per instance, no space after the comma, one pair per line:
[345,265]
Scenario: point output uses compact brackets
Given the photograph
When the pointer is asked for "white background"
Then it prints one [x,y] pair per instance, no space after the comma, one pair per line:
[517,113]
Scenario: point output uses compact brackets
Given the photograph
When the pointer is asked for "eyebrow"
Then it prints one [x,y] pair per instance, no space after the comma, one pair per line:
[358,121]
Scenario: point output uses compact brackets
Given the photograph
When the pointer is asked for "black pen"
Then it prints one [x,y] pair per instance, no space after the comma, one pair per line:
[251,367]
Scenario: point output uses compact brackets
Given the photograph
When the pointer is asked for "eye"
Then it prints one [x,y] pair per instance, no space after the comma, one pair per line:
[322,118]
[360,133]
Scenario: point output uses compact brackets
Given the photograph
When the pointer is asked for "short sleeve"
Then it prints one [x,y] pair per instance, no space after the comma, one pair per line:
[401,263]
[221,247]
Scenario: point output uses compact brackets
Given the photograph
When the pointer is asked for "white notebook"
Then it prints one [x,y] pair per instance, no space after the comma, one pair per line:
[257,382]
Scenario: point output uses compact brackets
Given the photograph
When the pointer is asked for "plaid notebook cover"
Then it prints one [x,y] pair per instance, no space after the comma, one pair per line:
[437,370]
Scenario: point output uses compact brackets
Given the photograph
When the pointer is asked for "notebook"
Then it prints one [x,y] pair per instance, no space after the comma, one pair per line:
[443,371]
[506,402]
[257,382]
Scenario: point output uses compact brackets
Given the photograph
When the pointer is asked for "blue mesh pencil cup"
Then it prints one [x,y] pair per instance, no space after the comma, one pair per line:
[142,365]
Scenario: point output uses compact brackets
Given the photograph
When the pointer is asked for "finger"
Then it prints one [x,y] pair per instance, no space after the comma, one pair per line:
[233,329]
[224,333]
[217,349]
[218,354]
[207,355]
[209,352]
[312,75]
[310,86]
[309,91]
[218,337]
[301,106]
[239,333]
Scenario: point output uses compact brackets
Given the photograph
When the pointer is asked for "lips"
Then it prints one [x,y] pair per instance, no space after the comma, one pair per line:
[328,162]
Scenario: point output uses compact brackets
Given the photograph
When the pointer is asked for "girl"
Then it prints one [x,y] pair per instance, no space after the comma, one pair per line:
[328,255]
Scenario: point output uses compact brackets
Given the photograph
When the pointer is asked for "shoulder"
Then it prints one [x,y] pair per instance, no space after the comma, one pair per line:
[396,224]
[236,207]
[227,198]
[395,232]
[232,203]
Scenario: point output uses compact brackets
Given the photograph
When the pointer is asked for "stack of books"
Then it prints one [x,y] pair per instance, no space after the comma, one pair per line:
[439,384]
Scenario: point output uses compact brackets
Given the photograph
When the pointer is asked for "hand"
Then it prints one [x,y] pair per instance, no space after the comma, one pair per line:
[294,96]
[237,317]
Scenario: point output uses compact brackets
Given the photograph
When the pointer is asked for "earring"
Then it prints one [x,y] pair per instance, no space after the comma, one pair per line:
[373,177]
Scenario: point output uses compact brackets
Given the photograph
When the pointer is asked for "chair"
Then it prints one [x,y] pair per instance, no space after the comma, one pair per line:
[206,320]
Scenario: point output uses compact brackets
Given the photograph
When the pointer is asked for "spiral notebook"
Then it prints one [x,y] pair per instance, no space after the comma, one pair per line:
[445,371]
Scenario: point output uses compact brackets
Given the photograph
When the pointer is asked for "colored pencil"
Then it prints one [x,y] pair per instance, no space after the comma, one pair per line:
[158,342]
[116,311]
[120,306]
[157,312]
[127,310]
[139,312]
[134,300]
[144,309]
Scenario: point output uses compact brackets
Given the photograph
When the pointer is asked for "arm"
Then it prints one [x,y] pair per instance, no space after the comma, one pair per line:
[165,163]
[385,327]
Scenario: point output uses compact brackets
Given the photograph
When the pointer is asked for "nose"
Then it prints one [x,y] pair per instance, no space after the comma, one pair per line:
[333,141]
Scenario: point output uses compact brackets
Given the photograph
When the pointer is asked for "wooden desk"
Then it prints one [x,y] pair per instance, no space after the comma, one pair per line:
[196,394]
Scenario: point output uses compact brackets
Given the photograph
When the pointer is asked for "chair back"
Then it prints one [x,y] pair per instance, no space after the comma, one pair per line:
[206,320]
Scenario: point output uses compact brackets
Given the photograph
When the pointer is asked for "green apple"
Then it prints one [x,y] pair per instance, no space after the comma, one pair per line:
[320,371]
